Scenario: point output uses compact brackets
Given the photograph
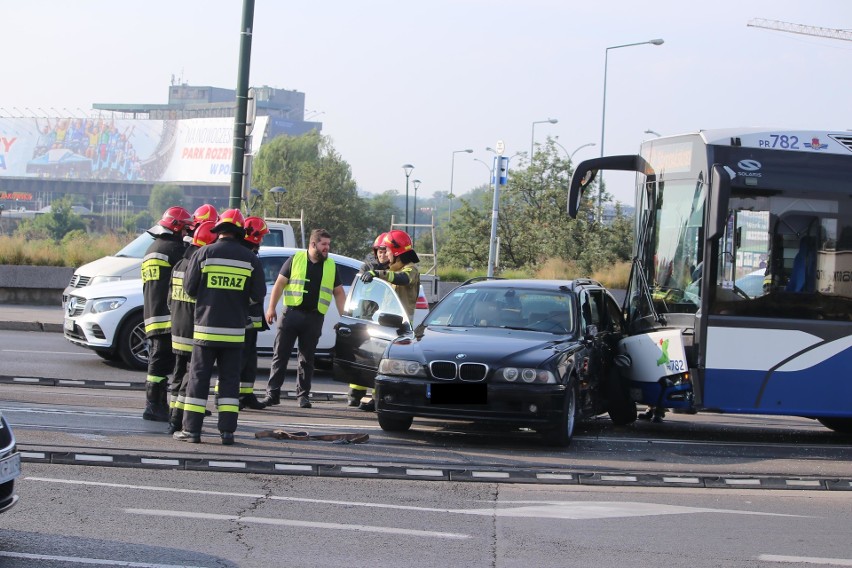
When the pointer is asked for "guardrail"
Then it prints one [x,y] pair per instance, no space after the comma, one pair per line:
[33,285]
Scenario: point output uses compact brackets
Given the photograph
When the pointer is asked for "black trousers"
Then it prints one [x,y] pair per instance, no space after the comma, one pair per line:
[180,379]
[228,359]
[248,371]
[161,359]
[306,327]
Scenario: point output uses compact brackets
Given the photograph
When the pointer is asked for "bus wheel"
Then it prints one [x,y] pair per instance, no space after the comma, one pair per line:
[841,425]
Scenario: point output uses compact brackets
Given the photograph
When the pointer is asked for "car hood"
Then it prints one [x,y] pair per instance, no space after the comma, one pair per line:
[112,266]
[484,345]
[125,288]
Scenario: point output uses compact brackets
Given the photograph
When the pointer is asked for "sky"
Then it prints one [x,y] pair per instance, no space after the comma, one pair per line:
[397,82]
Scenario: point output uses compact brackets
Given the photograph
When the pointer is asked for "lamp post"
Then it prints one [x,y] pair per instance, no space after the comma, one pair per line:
[451,196]
[416,184]
[487,167]
[603,112]
[277,194]
[654,132]
[532,139]
[407,168]
[571,157]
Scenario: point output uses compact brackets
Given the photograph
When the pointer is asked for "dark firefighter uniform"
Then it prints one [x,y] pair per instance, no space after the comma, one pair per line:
[248,372]
[157,264]
[182,306]
[223,278]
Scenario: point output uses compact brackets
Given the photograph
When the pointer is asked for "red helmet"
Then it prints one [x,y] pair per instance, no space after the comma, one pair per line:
[204,213]
[398,242]
[230,217]
[175,219]
[255,230]
[204,234]
[379,242]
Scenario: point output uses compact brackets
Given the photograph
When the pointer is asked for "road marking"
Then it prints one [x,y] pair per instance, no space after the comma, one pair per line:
[805,560]
[96,561]
[85,353]
[568,510]
[295,523]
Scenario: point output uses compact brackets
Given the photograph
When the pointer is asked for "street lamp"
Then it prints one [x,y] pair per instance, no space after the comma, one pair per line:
[532,139]
[407,168]
[451,196]
[416,184]
[654,132]
[277,194]
[490,171]
[571,157]
[603,112]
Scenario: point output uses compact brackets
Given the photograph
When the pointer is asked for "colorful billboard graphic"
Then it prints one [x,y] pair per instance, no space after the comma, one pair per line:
[168,151]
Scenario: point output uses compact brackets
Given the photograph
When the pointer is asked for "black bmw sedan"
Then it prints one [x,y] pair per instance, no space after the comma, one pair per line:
[512,353]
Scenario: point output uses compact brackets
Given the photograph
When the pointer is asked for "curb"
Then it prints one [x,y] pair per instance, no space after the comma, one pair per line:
[30,326]
[443,473]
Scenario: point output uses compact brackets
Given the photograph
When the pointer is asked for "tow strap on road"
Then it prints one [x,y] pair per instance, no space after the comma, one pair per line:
[336,438]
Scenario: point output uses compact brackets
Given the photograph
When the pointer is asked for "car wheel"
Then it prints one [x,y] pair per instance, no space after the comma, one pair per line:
[132,344]
[622,410]
[394,423]
[840,425]
[562,434]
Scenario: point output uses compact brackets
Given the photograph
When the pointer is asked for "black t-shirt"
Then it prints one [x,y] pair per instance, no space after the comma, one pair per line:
[313,277]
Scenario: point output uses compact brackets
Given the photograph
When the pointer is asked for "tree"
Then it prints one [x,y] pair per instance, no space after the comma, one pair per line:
[162,197]
[55,224]
[320,184]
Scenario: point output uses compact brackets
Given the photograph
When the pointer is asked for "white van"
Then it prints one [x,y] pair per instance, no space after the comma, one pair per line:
[126,264]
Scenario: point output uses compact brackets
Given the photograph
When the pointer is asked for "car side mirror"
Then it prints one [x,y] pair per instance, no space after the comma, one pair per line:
[390,320]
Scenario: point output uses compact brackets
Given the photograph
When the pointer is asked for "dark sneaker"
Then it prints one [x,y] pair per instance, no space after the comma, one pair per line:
[272,398]
[227,438]
[304,402]
[251,402]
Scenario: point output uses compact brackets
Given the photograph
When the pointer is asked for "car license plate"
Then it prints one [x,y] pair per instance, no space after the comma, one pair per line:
[69,324]
[10,468]
[457,393]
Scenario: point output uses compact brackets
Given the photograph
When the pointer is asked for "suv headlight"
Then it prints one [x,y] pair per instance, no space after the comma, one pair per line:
[106,304]
[401,367]
[525,375]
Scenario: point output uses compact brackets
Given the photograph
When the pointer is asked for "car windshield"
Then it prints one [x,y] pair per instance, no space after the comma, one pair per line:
[137,247]
[505,307]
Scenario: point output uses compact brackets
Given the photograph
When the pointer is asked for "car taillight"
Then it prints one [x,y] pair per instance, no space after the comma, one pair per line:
[421,304]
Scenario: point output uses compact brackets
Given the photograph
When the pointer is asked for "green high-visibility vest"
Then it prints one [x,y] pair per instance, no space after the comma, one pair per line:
[294,291]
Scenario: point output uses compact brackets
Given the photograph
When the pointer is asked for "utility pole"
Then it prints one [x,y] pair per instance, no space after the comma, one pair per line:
[238,158]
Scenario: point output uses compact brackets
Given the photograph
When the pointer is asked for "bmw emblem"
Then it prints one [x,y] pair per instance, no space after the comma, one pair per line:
[461,356]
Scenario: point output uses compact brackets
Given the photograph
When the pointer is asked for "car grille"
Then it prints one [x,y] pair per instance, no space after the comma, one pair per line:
[78,281]
[468,372]
[75,306]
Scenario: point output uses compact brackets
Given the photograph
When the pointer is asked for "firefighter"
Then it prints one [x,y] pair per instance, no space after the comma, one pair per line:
[379,262]
[166,250]
[256,229]
[182,307]
[223,277]
[403,276]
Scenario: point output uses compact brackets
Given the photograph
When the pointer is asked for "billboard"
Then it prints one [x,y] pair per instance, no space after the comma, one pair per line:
[110,149]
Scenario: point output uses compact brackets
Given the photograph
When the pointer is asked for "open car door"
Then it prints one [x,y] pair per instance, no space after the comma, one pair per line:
[372,318]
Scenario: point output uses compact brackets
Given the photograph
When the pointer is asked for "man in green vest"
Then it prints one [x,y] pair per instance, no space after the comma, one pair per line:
[308,281]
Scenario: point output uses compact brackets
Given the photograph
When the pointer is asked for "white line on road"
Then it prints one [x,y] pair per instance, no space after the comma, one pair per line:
[95,561]
[40,352]
[805,560]
[295,523]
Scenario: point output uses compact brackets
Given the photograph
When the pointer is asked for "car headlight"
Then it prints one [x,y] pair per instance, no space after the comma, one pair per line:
[106,304]
[401,367]
[525,375]
[102,279]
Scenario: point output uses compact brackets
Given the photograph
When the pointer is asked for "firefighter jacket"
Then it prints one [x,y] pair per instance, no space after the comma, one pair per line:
[256,319]
[406,284]
[223,277]
[157,264]
[182,306]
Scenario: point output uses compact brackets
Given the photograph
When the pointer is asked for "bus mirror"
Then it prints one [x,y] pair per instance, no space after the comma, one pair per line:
[587,170]
[580,181]
[720,191]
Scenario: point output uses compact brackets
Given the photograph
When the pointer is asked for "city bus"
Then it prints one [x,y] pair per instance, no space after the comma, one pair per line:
[743,244]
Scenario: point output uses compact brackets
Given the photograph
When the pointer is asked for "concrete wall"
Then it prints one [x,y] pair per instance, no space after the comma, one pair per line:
[33,285]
